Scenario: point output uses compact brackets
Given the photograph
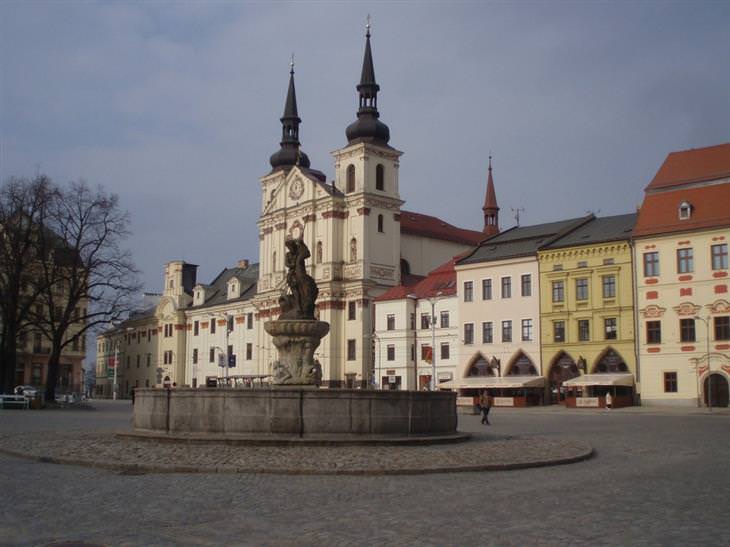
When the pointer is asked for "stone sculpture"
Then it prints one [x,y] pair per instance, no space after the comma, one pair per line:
[296,333]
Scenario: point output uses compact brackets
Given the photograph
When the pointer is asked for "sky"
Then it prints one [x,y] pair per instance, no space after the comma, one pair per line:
[175,106]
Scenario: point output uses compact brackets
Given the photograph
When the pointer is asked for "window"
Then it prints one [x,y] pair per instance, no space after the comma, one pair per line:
[35,378]
[468,291]
[129,359]
[318,253]
[582,264]
[390,321]
[149,360]
[212,326]
[609,286]
[413,352]
[558,291]
[230,323]
[195,356]
[670,382]
[609,328]
[444,320]
[380,177]
[722,328]
[653,332]
[651,264]
[138,359]
[506,287]
[444,350]
[249,320]
[351,350]
[559,331]
[584,330]
[211,355]
[719,257]
[380,224]
[526,285]
[273,262]
[413,321]
[687,330]
[685,262]
[526,330]
[350,182]
[425,321]
[685,210]
[351,313]
[468,333]
[581,289]
[249,351]
[506,331]
[487,332]
[608,261]
[168,330]
[391,352]
[147,382]
[166,358]
[426,352]
[486,289]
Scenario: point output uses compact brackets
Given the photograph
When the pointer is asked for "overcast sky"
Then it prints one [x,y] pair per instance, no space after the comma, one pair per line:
[175,106]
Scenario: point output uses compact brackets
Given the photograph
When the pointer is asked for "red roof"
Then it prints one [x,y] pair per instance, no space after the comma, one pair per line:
[439,282]
[660,211]
[435,228]
[694,165]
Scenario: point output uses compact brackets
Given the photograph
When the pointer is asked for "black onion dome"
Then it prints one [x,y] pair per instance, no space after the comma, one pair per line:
[290,153]
[367,127]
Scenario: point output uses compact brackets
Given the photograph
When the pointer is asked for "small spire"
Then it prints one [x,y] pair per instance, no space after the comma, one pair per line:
[490,209]
[290,154]
[367,27]
[291,64]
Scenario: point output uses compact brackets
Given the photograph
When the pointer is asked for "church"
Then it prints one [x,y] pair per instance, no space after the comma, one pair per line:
[361,240]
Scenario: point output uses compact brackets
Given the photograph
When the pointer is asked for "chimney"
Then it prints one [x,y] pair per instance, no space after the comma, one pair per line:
[243,264]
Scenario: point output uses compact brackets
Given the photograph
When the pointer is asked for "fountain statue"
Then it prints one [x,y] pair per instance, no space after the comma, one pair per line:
[296,333]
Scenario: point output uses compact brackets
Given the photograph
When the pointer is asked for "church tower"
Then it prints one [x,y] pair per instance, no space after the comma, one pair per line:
[491,210]
[366,171]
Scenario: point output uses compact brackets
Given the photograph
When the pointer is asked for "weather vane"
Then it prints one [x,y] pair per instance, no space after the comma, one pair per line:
[291,63]
[368,26]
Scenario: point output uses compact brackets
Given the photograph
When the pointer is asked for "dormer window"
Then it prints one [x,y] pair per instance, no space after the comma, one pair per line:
[198,296]
[685,210]
[233,289]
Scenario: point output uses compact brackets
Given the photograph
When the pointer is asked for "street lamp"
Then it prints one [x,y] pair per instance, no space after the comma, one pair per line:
[228,319]
[377,369]
[709,368]
[414,353]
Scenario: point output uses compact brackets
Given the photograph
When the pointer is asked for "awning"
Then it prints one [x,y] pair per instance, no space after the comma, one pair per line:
[482,382]
[601,380]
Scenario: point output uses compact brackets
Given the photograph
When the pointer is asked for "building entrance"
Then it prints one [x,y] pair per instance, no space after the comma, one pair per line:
[563,369]
[717,387]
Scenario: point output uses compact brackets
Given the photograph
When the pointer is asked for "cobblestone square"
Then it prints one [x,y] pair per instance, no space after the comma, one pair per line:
[655,480]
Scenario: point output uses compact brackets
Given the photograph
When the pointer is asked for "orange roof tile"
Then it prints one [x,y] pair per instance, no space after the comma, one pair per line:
[439,282]
[660,211]
[435,228]
[694,165]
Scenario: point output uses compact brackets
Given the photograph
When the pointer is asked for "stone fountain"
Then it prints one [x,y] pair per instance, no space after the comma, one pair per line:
[293,410]
[296,333]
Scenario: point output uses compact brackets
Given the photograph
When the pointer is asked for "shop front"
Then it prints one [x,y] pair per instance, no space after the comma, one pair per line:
[593,390]
[506,391]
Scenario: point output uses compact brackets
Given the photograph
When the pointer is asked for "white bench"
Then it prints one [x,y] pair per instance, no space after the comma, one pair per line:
[14,400]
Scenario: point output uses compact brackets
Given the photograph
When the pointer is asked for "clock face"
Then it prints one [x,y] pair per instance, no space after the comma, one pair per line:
[296,190]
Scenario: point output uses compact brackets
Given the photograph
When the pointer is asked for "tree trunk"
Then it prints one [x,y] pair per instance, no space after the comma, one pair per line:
[8,361]
[52,377]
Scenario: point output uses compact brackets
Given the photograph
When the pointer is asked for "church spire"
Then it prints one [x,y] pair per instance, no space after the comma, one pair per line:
[491,210]
[367,127]
[290,153]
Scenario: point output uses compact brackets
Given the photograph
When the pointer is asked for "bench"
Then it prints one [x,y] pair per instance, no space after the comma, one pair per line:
[7,401]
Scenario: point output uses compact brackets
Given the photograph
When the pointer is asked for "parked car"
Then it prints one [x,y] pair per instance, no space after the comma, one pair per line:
[28,391]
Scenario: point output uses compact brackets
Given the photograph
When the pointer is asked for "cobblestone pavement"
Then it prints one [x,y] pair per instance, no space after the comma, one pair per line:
[657,479]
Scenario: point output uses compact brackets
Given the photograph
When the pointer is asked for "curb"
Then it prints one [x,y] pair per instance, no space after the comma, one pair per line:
[142,469]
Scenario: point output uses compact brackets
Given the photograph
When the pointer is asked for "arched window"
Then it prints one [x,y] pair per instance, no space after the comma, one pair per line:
[350,187]
[685,210]
[318,254]
[522,366]
[405,268]
[273,262]
[380,177]
[380,223]
[481,367]
[353,250]
[610,362]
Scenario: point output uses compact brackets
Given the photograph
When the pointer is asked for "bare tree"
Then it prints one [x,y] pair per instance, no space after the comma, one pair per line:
[23,210]
[88,279]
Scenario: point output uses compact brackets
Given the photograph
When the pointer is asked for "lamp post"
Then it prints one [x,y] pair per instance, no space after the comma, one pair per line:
[709,368]
[432,301]
[377,368]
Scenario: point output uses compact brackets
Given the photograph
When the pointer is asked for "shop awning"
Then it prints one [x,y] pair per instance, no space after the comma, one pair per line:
[600,380]
[482,382]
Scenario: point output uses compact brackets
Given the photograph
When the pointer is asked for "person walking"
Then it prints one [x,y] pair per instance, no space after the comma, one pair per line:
[485,403]
[609,400]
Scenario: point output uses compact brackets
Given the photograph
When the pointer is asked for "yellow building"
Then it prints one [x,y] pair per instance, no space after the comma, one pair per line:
[587,313]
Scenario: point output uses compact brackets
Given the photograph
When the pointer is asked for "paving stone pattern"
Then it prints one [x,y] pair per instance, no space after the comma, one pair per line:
[656,479]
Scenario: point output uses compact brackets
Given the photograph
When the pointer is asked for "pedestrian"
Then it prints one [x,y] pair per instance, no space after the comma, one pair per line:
[609,400]
[485,403]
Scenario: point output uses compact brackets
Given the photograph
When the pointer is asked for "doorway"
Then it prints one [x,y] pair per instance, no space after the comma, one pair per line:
[717,387]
